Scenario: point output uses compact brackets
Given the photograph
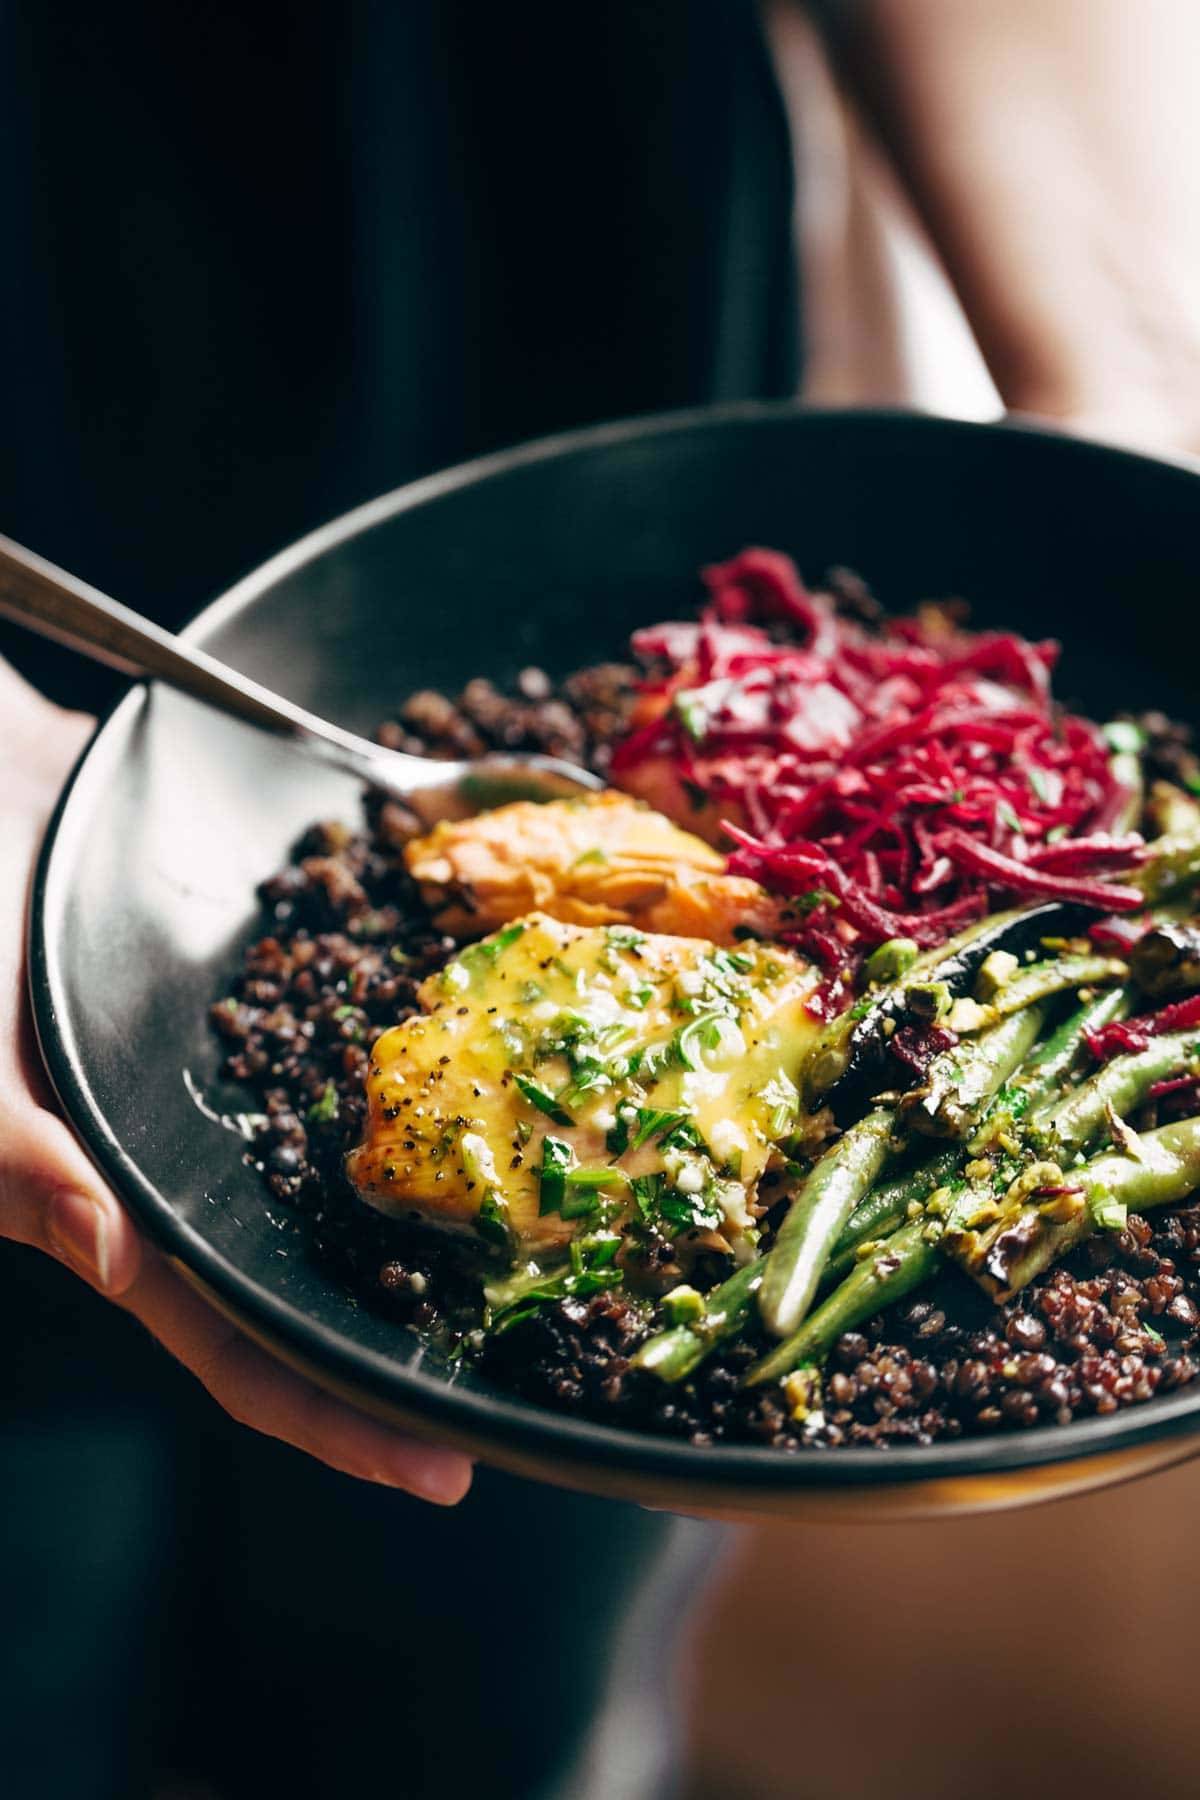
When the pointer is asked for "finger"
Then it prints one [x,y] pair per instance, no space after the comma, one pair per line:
[258,1391]
[51,736]
[52,1197]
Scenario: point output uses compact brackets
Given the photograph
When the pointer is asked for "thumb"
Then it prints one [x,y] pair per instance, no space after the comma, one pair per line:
[52,1198]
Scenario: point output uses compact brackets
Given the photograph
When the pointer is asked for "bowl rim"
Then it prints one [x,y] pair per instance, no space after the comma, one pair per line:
[492,1418]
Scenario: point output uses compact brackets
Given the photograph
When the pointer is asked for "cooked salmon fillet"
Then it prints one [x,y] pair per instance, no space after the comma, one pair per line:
[604,859]
[563,1076]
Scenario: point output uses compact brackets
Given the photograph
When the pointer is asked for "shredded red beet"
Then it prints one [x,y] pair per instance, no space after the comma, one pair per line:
[915,1046]
[1117,936]
[1176,1084]
[1127,1036]
[896,777]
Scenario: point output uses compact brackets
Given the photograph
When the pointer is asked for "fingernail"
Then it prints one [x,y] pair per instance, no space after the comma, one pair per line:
[78,1230]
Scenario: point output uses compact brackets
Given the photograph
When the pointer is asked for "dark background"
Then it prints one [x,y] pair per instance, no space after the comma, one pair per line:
[268,260]
[262,262]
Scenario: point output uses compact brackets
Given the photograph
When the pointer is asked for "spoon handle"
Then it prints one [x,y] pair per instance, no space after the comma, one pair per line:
[37,594]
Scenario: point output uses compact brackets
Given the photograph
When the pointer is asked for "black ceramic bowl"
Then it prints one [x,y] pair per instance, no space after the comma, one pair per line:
[550,554]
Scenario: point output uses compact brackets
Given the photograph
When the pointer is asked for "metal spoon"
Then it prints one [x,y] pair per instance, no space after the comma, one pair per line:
[36,594]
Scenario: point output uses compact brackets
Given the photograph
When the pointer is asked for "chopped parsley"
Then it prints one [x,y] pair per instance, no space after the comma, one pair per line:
[703,1033]
[668,1209]
[591,1267]
[325,1109]
[583,1188]
[647,1191]
[1007,817]
[557,1158]
[653,1120]
[687,1212]
[588,1076]
[482,954]
[815,897]
[491,1221]
[1046,784]
[545,1103]
[782,1097]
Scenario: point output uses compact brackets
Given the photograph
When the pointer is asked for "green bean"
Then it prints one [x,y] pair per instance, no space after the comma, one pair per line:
[888,1206]
[1039,981]
[839,1049]
[1173,861]
[821,1206]
[1071,1124]
[1048,1066]
[1007,1256]
[1165,1171]
[906,1260]
[960,1082]
[673,1354]
[959,1085]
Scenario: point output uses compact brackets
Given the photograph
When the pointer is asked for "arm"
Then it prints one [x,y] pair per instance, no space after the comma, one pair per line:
[1053,147]
[52,1198]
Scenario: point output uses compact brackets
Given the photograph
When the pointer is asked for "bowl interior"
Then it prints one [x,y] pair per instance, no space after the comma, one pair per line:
[548,555]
